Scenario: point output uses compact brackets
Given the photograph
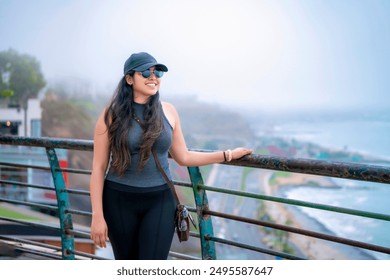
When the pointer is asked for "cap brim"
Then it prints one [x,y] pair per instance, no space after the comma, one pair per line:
[146,66]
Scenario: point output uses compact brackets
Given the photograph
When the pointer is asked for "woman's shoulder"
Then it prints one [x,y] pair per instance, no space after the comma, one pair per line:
[168,107]
[170,112]
[102,114]
[102,117]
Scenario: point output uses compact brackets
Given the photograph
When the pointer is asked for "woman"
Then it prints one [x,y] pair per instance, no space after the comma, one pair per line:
[132,204]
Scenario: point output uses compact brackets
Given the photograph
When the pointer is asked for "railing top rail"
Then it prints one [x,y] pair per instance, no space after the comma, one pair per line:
[48,142]
[346,170]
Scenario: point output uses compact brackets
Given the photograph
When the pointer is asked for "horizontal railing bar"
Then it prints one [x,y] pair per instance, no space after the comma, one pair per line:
[48,142]
[301,231]
[73,170]
[22,184]
[253,248]
[84,234]
[34,224]
[52,255]
[39,253]
[48,246]
[182,184]
[27,185]
[30,242]
[68,170]
[87,255]
[10,173]
[337,209]
[81,192]
[345,170]
[79,233]
[78,212]
[32,204]
[25,166]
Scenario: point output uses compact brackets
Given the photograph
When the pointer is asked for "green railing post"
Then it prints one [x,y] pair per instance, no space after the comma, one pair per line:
[205,224]
[67,239]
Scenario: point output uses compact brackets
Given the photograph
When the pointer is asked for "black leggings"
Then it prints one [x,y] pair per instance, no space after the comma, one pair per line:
[140,221]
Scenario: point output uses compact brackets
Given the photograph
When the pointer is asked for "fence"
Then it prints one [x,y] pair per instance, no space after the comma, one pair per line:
[276,234]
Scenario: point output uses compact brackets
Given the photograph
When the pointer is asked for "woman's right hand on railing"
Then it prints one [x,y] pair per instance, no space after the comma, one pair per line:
[99,231]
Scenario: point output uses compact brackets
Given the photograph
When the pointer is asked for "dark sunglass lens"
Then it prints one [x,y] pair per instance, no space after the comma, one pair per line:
[146,73]
[158,73]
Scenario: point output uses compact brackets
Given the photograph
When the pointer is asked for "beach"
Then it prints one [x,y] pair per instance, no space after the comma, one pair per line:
[309,247]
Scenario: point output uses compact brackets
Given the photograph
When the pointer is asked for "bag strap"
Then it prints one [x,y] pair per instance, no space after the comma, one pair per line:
[169,182]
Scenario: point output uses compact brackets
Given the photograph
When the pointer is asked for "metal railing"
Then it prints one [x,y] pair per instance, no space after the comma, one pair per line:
[204,213]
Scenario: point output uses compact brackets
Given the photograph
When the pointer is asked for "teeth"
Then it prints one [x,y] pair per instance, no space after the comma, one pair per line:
[151,85]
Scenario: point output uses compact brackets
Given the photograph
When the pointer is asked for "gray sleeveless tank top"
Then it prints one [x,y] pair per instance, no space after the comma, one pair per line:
[149,176]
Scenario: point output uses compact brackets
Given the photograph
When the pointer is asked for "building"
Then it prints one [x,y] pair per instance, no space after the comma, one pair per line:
[17,122]
[14,121]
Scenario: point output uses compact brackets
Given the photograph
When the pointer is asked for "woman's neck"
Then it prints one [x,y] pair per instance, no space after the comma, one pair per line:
[141,99]
[139,103]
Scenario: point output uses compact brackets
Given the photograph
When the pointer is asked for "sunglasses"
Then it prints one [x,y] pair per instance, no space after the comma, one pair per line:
[147,73]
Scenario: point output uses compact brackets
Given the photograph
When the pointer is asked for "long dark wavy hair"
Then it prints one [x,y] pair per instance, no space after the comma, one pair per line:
[118,119]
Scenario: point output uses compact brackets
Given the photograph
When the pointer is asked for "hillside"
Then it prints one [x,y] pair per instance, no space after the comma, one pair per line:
[210,126]
[64,119]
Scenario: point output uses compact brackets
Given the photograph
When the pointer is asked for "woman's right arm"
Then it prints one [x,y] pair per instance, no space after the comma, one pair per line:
[101,154]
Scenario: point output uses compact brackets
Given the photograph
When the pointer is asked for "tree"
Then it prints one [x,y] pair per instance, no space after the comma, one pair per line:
[20,79]
[20,74]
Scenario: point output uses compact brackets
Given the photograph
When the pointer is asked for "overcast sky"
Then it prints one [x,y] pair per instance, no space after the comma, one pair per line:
[271,55]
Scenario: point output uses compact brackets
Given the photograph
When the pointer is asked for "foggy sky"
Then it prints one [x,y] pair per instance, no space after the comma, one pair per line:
[270,55]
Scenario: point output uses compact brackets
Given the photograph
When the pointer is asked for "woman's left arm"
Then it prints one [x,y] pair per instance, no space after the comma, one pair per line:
[184,157]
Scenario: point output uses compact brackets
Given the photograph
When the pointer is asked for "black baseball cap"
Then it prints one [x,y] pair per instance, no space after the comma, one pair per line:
[142,61]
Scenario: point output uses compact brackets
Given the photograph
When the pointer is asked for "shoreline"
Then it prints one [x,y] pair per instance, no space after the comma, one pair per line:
[346,252]
[310,247]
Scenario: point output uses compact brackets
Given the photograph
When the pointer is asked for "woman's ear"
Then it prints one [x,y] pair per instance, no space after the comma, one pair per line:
[129,80]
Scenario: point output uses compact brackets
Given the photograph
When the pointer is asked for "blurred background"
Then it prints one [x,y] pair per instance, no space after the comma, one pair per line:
[264,55]
[270,61]
[288,78]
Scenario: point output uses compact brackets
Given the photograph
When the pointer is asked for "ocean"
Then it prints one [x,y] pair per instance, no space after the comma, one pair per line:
[370,137]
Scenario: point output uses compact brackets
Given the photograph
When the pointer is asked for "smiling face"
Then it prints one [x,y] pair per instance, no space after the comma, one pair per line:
[144,88]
